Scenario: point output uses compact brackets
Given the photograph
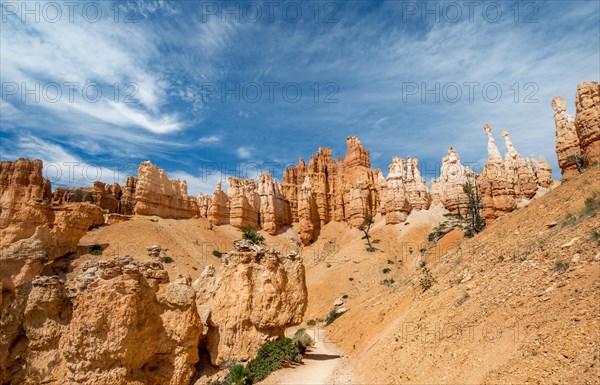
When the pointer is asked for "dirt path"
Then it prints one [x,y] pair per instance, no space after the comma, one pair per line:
[319,366]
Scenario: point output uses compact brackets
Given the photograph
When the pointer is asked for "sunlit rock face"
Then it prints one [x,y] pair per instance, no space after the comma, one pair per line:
[256,295]
[448,190]
[587,120]
[512,182]
[156,194]
[33,231]
[567,141]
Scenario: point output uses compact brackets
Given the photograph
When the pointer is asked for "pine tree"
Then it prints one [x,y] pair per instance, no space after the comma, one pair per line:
[365,228]
[475,223]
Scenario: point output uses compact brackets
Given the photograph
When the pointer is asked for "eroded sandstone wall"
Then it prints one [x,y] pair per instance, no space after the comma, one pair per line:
[118,322]
[587,120]
[256,295]
[512,182]
[156,194]
[578,139]
[32,230]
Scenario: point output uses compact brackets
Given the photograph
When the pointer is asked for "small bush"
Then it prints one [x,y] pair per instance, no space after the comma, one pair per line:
[570,219]
[96,250]
[303,340]
[332,316]
[388,282]
[463,299]
[592,205]
[427,280]
[77,195]
[249,233]
[344,296]
[217,253]
[561,266]
[272,356]
[386,270]
[578,161]
[596,236]
[167,260]
[89,197]
[350,279]
[390,262]
[422,264]
[239,375]
[311,322]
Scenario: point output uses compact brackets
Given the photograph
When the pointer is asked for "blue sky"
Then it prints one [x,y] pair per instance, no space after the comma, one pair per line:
[173,63]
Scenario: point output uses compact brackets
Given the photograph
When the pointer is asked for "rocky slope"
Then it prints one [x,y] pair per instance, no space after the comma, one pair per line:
[518,303]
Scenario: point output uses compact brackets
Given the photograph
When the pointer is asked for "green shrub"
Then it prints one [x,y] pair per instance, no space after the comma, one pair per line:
[332,316]
[344,296]
[77,196]
[272,356]
[89,197]
[249,233]
[390,262]
[303,340]
[239,375]
[350,279]
[386,270]
[167,260]
[388,282]
[592,205]
[311,322]
[96,250]
[427,280]
[217,253]
[561,266]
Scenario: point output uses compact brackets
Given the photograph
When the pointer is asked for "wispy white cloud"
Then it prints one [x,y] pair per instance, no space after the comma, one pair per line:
[244,152]
[63,168]
[210,139]
[375,53]
[9,112]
